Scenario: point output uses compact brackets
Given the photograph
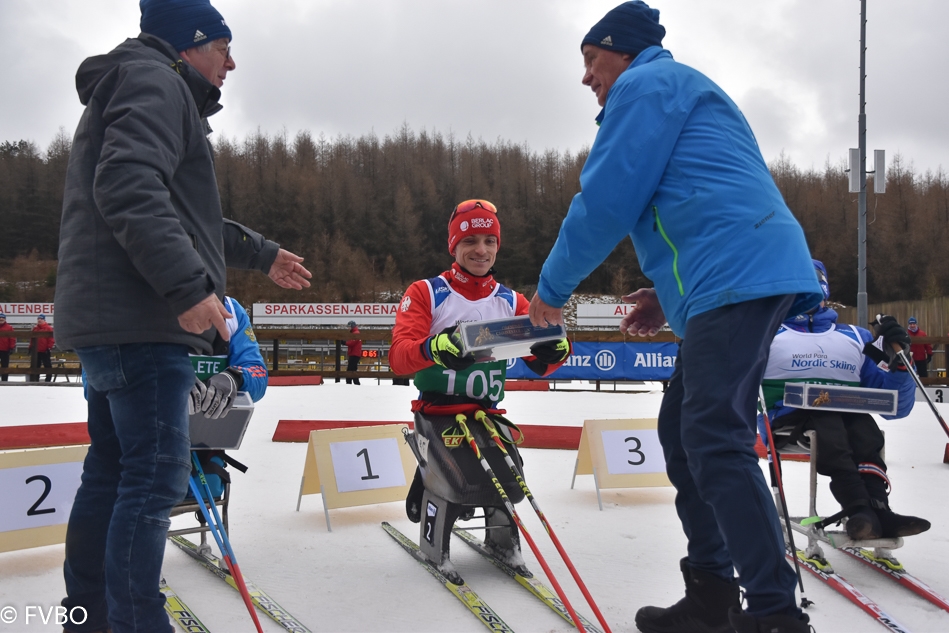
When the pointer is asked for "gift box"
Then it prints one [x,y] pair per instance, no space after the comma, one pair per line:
[499,339]
[225,433]
[802,395]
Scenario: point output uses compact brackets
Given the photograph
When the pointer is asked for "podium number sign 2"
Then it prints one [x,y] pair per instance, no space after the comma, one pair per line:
[357,466]
[621,454]
[38,491]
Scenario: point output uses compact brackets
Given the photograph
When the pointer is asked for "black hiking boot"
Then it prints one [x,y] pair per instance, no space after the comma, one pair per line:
[704,609]
[777,623]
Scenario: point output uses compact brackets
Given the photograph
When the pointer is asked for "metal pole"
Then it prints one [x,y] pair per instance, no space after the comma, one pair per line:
[862,316]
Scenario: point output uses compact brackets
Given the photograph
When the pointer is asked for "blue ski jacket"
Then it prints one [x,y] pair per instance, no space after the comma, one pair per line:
[244,351]
[676,167]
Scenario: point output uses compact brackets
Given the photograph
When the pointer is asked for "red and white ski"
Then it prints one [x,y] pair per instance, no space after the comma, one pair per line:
[901,576]
[844,588]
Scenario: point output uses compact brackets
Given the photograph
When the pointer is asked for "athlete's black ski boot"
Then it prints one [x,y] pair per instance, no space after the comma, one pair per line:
[704,609]
[864,524]
[896,525]
[892,525]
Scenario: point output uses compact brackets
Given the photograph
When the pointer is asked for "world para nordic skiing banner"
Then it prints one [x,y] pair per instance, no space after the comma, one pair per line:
[609,361]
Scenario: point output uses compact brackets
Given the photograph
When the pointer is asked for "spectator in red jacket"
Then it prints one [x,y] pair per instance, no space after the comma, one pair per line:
[7,345]
[354,351]
[42,347]
[922,352]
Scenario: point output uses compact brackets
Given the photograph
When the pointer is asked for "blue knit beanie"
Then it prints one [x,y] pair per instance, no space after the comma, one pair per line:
[822,277]
[183,23]
[630,28]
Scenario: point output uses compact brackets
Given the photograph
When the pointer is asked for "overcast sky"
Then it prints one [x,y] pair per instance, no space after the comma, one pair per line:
[511,69]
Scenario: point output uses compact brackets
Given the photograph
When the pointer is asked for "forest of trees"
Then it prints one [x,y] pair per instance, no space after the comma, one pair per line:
[369,214]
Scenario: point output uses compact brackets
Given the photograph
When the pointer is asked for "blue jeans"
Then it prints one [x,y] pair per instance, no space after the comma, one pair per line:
[136,470]
[707,428]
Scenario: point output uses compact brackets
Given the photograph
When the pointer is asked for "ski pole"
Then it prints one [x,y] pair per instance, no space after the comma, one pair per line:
[220,537]
[492,430]
[776,469]
[919,383]
[461,418]
[932,405]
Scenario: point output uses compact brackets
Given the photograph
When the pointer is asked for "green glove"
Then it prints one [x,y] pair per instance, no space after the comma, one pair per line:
[444,348]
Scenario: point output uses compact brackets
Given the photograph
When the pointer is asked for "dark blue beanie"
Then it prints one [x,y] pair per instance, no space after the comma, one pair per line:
[632,27]
[183,23]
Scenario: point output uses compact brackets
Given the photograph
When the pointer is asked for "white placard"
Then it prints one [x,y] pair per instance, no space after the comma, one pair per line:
[936,394]
[633,452]
[38,496]
[367,464]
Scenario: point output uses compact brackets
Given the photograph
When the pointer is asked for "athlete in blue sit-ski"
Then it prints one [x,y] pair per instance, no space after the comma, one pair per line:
[233,366]
[814,348]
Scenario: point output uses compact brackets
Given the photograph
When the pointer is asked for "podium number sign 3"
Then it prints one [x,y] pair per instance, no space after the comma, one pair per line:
[38,491]
[620,454]
[357,466]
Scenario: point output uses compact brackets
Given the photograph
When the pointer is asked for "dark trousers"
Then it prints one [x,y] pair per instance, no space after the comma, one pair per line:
[135,472]
[43,359]
[844,440]
[4,363]
[352,365]
[707,428]
[922,367]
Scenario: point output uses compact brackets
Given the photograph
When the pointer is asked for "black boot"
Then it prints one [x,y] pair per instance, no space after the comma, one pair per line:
[704,609]
[863,524]
[892,525]
[777,623]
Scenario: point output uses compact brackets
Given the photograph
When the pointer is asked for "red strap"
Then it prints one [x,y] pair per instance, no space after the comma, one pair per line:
[468,408]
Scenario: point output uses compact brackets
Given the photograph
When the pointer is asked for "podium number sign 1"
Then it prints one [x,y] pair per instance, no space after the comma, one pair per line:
[38,491]
[620,454]
[357,466]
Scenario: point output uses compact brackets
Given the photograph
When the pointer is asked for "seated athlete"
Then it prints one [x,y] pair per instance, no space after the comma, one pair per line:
[849,445]
[450,481]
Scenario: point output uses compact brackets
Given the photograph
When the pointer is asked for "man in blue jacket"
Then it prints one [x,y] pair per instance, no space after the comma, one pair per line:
[849,445]
[676,167]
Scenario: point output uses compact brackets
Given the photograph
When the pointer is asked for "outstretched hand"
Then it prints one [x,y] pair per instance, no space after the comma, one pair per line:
[287,271]
[542,315]
[210,312]
[646,317]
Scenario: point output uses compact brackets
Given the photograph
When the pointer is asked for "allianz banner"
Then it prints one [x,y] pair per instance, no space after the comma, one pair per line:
[609,361]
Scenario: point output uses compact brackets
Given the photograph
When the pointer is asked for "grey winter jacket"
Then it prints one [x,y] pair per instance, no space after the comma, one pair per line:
[143,238]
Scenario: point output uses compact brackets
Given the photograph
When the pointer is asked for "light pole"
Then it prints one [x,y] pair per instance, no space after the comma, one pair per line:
[862,317]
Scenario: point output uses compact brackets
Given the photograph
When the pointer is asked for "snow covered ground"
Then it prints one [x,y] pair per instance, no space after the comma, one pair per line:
[356,578]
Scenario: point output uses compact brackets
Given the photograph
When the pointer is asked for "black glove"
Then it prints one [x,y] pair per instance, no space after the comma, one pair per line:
[444,348]
[892,333]
[219,394]
[551,352]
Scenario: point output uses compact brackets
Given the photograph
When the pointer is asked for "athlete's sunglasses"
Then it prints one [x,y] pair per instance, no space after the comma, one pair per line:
[471,205]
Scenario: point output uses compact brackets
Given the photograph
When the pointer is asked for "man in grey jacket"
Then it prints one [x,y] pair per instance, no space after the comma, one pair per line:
[142,256]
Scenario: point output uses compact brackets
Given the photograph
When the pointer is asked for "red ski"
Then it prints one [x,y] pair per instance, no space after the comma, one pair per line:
[850,592]
[901,576]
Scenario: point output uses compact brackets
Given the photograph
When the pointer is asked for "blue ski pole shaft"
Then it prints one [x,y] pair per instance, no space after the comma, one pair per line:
[220,536]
